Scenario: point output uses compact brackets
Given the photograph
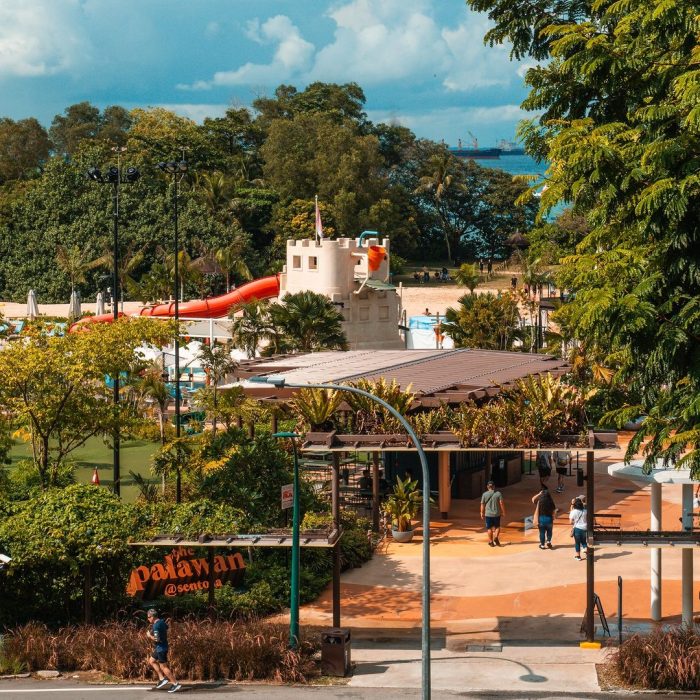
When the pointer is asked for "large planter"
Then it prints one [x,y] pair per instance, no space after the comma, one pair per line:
[405,536]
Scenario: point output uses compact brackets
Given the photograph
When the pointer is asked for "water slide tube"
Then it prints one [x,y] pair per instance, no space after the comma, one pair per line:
[215,307]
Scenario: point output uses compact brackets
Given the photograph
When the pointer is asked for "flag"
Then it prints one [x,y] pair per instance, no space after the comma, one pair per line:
[319,225]
[95,477]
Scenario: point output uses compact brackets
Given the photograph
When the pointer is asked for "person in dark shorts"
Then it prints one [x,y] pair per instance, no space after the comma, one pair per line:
[545,512]
[562,460]
[158,634]
[492,508]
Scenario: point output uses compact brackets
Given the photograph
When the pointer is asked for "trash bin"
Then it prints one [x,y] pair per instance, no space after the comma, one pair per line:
[335,652]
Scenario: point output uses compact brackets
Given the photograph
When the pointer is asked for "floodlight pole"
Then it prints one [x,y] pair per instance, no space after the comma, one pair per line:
[294,586]
[425,622]
[115,177]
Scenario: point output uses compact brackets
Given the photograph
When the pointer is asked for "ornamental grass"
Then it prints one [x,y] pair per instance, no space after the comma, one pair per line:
[199,650]
[663,660]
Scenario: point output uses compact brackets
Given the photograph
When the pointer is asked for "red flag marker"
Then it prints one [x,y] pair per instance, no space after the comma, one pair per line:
[95,477]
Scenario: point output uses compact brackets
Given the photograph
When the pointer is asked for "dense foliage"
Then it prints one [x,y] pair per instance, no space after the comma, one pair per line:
[618,87]
[251,185]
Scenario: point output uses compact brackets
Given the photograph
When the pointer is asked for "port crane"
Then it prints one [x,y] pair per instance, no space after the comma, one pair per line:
[475,141]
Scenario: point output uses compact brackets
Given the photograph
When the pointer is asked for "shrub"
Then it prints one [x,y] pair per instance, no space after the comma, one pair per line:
[664,660]
[199,650]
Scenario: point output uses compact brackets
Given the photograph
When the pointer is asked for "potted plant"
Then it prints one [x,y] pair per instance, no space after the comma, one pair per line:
[402,507]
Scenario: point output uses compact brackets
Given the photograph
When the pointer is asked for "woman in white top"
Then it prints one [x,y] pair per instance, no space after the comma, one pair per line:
[579,526]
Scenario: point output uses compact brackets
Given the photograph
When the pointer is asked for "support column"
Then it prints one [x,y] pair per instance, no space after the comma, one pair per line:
[444,492]
[335,511]
[656,577]
[687,561]
[375,491]
[590,556]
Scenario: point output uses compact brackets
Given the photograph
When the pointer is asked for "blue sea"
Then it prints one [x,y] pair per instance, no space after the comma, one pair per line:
[516,165]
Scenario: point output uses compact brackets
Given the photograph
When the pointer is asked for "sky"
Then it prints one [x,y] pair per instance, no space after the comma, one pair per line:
[421,63]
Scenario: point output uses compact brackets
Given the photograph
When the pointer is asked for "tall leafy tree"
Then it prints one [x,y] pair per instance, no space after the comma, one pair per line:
[217,362]
[308,322]
[621,125]
[24,148]
[483,321]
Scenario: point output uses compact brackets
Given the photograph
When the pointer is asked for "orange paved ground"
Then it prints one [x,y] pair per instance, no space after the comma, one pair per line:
[472,583]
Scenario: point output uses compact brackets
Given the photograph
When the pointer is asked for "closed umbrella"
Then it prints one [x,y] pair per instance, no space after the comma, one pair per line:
[74,306]
[100,304]
[32,306]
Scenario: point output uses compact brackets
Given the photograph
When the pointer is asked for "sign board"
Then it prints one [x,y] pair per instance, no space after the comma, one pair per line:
[287,496]
[182,571]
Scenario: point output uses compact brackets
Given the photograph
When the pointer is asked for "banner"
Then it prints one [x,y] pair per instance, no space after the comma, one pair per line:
[182,571]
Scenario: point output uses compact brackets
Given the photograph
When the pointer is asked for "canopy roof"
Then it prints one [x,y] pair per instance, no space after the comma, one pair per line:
[436,376]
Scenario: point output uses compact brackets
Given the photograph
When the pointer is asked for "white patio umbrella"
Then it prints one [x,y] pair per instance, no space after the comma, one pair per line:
[74,305]
[99,304]
[32,306]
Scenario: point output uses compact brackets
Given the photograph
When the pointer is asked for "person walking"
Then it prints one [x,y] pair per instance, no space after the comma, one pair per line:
[158,634]
[545,510]
[562,460]
[492,508]
[544,467]
[579,526]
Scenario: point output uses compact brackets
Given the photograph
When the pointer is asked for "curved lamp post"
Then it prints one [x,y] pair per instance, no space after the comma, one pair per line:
[115,176]
[178,170]
[425,622]
[294,587]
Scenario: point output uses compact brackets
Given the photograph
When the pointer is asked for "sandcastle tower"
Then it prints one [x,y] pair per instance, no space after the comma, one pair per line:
[353,274]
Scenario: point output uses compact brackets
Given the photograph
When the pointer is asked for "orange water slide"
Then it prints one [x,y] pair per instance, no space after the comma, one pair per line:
[215,307]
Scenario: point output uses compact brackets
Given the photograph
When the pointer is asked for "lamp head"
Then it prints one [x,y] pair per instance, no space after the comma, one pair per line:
[274,381]
[112,174]
[94,174]
[170,167]
[132,174]
[182,166]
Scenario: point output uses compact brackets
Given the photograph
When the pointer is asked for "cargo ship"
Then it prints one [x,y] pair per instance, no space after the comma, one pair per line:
[510,148]
[474,152]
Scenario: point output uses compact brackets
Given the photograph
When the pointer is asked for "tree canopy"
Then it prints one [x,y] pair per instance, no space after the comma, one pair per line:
[619,91]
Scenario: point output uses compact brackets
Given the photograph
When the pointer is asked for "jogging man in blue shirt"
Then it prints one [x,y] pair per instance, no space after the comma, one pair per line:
[158,634]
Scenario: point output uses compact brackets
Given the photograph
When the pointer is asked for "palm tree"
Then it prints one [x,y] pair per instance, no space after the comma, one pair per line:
[251,328]
[468,276]
[127,264]
[216,192]
[187,270]
[309,322]
[230,259]
[439,180]
[217,362]
[151,386]
[74,262]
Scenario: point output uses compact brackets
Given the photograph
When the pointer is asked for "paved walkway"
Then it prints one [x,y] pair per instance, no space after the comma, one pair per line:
[513,593]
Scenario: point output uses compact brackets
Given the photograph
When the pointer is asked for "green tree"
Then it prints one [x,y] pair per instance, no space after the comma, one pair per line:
[483,321]
[54,387]
[74,262]
[308,322]
[252,327]
[24,148]
[217,362]
[618,90]
[468,276]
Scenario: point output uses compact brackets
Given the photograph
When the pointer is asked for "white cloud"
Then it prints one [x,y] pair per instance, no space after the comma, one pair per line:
[41,37]
[378,41]
[292,57]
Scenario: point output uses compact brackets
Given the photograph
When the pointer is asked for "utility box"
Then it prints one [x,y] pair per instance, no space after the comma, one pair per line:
[335,651]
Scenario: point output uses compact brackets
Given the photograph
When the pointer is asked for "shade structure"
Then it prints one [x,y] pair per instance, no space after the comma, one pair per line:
[74,305]
[32,306]
[99,304]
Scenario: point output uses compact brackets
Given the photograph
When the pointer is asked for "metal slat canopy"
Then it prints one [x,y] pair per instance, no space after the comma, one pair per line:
[281,538]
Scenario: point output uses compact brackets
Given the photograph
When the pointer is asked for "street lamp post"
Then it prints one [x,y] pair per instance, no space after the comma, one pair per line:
[294,586]
[178,170]
[280,382]
[115,177]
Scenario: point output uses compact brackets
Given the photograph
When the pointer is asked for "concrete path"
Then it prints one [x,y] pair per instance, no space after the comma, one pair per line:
[511,671]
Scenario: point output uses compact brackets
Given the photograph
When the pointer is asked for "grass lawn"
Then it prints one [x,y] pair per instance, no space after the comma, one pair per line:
[135,455]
